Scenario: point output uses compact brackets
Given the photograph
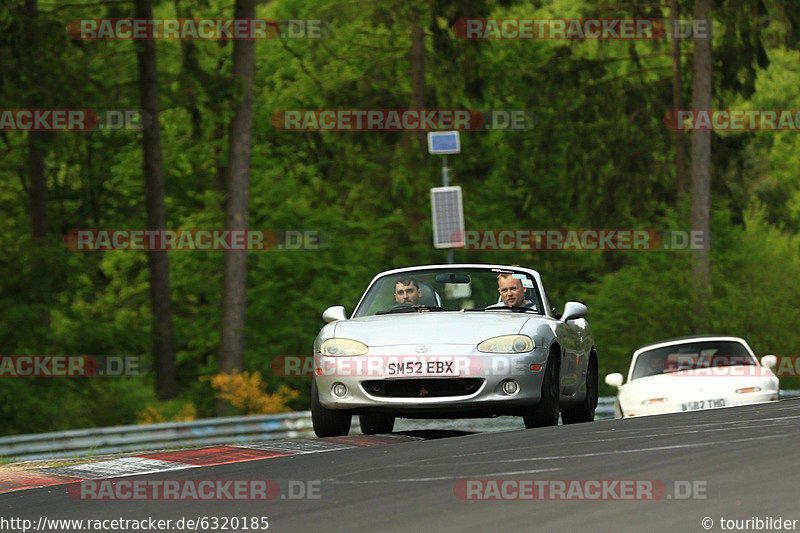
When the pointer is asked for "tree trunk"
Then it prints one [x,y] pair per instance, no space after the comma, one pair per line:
[38,190]
[701,177]
[234,284]
[36,167]
[158,261]
[37,194]
[418,72]
[216,139]
[682,179]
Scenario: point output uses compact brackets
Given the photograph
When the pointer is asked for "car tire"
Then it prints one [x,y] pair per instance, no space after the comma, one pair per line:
[328,422]
[372,424]
[585,411]
[545,412]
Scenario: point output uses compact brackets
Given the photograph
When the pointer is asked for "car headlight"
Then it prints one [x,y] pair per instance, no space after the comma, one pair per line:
[343,347]
[507,344]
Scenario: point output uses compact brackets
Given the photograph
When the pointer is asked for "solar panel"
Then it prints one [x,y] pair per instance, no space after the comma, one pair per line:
[448,217]
[444,142]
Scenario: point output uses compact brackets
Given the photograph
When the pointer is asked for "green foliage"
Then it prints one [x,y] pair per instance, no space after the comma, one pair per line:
[598,156]
[647,301]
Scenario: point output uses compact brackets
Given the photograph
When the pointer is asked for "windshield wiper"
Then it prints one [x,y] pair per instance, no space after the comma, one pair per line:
[407,308]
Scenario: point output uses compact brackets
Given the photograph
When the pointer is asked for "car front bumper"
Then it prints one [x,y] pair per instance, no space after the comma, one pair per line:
[697,403]
[473,387]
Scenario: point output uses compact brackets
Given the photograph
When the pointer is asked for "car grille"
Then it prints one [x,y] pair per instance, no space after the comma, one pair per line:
[422,388]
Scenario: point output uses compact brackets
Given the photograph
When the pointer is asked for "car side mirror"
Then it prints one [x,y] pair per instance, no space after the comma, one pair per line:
[769,361]
[573,310]
[615,379]
[334,313]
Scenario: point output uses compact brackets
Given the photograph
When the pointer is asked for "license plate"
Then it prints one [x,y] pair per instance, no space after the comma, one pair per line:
[421,368]
[703,404]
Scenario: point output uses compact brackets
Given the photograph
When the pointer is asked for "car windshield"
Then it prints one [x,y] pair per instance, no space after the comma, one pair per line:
[705,354]
[448,289]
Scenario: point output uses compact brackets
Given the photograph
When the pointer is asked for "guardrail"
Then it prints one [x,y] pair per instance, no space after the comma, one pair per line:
[204,432]
[117,439]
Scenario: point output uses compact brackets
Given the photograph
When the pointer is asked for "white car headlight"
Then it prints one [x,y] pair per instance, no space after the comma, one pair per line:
[507,344]
[343,347]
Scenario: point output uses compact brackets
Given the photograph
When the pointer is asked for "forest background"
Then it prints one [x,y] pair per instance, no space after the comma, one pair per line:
[598,156]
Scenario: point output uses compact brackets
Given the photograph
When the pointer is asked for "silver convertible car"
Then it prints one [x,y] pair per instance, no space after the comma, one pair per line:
[453,341]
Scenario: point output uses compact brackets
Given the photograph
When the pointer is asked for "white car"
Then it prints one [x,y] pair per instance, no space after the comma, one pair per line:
[693,373]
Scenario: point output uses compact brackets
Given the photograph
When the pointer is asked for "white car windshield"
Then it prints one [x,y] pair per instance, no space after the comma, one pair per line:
[451,289]
[690,356]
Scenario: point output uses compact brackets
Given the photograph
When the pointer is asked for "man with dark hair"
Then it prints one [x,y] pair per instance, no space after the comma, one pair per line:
[407,291]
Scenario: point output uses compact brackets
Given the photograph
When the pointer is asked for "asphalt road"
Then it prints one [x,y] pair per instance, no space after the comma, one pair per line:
[737,463]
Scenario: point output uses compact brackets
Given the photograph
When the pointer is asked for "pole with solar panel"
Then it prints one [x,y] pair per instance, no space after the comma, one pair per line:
[446,206]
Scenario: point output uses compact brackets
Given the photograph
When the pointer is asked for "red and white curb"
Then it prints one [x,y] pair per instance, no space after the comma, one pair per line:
[148,463]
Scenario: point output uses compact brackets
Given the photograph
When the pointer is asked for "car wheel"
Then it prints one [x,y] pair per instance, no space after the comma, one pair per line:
[376,423]
[328,422]
[545,412]
[585,411]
